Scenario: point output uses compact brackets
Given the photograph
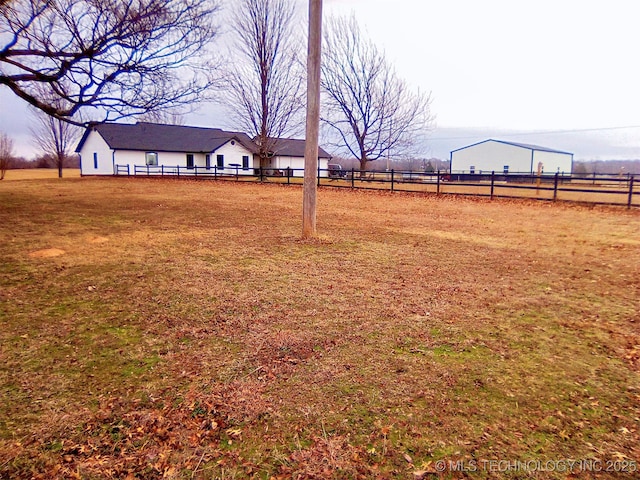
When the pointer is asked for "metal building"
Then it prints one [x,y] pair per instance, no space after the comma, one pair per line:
[508,157]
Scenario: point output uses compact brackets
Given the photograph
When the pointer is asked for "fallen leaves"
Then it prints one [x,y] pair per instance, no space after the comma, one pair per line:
[125,439]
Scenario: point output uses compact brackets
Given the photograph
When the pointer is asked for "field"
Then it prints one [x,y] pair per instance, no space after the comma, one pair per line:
[600,189]
[157,328]
[40,173]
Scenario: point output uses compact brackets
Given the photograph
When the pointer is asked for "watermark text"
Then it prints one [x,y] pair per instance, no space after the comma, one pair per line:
[561,466]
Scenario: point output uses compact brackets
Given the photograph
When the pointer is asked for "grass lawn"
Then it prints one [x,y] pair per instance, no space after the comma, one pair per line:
[180,329]
[40,173]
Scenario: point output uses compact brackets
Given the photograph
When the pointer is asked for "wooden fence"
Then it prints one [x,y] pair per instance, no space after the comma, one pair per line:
[589,188]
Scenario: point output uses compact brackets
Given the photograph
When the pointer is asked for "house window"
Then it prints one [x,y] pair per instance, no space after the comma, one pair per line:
[190,162]
[95,160]
[245,162]
[472,169]
[207,161]
[151,158]
[220,161]
[505,169]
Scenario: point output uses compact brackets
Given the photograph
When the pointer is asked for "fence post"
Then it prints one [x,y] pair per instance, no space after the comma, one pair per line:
[353,172]
[493,182]
[318,177]
[555,187]
[392,178]
[288,175]
[630,201]
[438,183]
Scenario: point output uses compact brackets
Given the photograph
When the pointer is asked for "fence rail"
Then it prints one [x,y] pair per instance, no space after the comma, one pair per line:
[584,188]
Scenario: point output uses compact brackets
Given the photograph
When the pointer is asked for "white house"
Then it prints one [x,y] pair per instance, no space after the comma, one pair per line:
[509,157]
[288,153]
[150,148]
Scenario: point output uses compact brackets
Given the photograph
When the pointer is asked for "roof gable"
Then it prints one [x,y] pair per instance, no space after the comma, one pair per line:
[292,147]
[515,144]
[144,136]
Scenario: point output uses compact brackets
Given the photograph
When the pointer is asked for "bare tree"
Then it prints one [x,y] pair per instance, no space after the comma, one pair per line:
[265,89]
[6,153]
[373,112]
[168,117]
[55,137]
[113,58]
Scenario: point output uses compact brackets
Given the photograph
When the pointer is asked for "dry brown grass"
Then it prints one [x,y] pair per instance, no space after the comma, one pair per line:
[40,173]
[187,332]
[616,194]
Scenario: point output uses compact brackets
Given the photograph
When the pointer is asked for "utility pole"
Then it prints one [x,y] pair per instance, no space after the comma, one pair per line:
[313,120]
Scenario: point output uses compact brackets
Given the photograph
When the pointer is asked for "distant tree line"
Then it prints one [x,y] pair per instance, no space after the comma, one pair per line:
[41,161]
[429,165]
[631,167]
[407,164]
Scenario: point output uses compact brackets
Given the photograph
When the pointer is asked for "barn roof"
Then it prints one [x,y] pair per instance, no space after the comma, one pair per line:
[515,144]
[145,136]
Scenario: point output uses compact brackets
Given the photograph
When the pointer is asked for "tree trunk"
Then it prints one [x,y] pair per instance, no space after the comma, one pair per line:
[363,167]
[264,161]
[60,162]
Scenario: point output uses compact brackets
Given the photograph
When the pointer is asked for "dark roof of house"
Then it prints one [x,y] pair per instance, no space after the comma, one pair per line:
[165,138]
[521,145]
[293,147]
[143,136]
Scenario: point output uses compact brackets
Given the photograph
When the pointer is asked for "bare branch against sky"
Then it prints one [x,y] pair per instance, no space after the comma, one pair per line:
[373,112]
[55,137]
[107,59]
[265,83]
[558,74]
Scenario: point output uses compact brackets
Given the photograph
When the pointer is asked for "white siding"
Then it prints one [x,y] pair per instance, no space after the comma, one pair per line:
[95,150]
[496,156]
[170,160]
[552,162]
[138,159]
[233,152]
[297,164]
[491,156]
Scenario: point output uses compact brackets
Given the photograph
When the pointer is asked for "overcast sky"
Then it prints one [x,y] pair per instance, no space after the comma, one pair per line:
[498,69]
[498,66]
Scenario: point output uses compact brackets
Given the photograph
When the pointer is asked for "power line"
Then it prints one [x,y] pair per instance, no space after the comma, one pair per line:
[542,132]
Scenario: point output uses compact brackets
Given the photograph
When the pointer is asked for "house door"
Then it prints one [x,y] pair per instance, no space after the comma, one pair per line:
[190,162]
